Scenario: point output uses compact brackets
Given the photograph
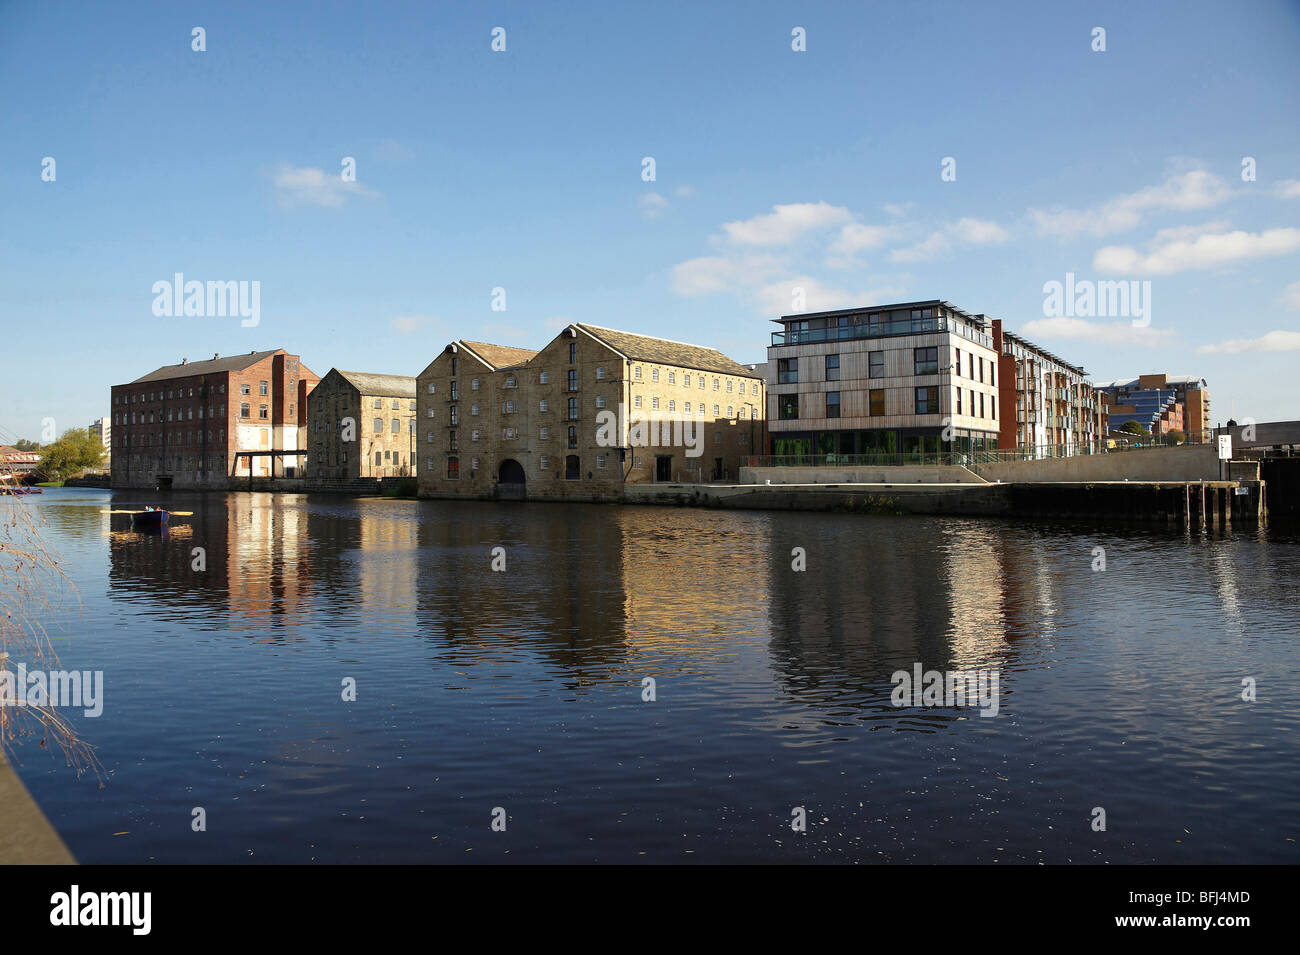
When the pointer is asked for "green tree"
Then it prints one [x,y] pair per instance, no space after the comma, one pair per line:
[1135,427]
[22,444]
[77,450]
[1174,436]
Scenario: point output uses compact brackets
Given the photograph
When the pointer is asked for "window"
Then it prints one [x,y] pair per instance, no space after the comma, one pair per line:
[545,463]
[600,460]
[715,384]
[473,435]
[473,464]
[546,433]
[636,402]
[715,411]
[686,381]
[379,404]
[397,405]
[600,373]
[958,365]
[573,352]
[379,458]
[261,412]
[244,390]
[430,412]
[397,426]
[571,469]
[925,361]
[573,379]
[430,392]
[600,401]
[729,382]
[787,371]
[970,364]
[573,409]
[730,411]
[451,415]
[473,386]
[573,437]
[654,404]
[379,426]
[981,405]
[959,401]
[455,392]
[877,402]
[788,407]
[545,379]
[672,405]
[832,369]
[261,388]
[981,370]
[672,378]
[510,381]
[454,363]
[637,372]
[453,468]
[654,374]
[927,400]
[473,409]
[832,404]
[688,407]
[542,406]
[701,382]
[430,437]
[993,406]
[412,408]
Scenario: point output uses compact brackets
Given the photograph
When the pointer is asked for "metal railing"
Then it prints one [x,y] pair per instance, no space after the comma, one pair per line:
[840,333]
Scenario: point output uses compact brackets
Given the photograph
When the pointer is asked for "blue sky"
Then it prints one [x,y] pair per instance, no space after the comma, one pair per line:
[522,169]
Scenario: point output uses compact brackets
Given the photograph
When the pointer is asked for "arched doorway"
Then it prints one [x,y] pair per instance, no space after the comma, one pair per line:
[510,480]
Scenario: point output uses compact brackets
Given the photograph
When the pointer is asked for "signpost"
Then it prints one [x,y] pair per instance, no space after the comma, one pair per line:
[1225,452]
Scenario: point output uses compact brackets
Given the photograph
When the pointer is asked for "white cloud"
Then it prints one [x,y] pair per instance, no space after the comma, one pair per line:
[857,237]
[1197,189]
[1274,341]
[897,208]
[1187,251]
[409,324]
[1291,296]
[1287,189]
[785,223]
[309,186]
[978,232]
[1104,333]
[652,205]
[934,244]
[715,273]
[684,192]
[779,298]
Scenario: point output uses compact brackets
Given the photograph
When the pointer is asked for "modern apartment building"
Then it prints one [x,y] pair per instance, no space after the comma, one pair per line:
[102,428]
[1162,404]
[361,425]
[185,425]
[1049,408]
[593,410]
[905,378]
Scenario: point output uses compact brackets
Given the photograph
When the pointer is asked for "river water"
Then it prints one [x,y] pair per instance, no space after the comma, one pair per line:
[519,693]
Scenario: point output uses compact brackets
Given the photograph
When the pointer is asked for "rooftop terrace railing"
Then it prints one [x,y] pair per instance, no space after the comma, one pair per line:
[839,333]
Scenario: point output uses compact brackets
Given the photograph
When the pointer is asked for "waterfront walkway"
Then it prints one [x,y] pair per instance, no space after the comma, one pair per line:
[26,838]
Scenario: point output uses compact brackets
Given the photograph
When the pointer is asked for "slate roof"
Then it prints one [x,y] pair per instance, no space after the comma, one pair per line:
[390,386]
[213,366]
[499,356]
[662,351]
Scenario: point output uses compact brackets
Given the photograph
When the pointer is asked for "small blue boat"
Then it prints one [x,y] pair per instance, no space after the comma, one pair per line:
[149,517]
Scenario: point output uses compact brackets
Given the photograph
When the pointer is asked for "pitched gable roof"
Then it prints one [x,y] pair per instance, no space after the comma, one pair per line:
[210,367]
[665,352]
[499,356]
[391,386]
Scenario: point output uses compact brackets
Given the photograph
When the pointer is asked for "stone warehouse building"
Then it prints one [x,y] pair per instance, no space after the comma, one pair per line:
[1049,408]
[593,410]
[883,380]
[184,425]
[361,425]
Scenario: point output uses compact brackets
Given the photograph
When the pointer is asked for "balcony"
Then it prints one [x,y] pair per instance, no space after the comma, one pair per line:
[840,333]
